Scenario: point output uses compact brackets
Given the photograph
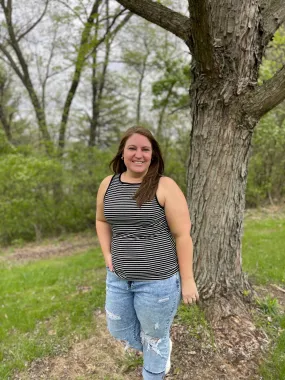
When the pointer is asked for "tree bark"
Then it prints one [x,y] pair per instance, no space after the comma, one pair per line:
[273,15]
[223,73]
[217,173]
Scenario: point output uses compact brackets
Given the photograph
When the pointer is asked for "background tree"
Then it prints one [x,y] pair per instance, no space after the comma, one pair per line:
[14,53]
[55,194]
[227,42]
[6,108]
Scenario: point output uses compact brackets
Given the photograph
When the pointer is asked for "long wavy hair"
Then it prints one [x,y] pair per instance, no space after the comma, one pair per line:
[147,190]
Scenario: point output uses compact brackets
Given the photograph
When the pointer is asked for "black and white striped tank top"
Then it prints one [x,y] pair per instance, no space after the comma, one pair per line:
[142,246]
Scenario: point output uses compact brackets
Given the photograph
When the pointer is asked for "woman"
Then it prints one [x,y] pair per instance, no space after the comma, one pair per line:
[143,226]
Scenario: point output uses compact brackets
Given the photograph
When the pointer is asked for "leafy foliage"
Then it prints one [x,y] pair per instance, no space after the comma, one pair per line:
[266,179]
[31,205]
[171,88]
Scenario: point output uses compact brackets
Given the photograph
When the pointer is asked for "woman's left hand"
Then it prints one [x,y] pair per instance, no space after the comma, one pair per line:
[189,291]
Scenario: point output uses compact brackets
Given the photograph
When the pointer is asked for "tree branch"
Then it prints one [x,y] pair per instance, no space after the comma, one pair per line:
[35,23]
[110,34]
[25,75]
[47,75]
[160,15]
[71,8]
[273,17]
[110,17]
[264,98]
[12,62]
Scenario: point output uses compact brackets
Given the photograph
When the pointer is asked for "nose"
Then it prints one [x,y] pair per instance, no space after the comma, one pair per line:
[138,153]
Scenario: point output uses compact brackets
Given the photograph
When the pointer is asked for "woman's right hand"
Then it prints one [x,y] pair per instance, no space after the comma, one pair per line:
[108,261]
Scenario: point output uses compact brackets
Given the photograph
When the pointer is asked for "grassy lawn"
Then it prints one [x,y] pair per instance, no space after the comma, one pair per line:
[264,261]
[264,250]
[47,305]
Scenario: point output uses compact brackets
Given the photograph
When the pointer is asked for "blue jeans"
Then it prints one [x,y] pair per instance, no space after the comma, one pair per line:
[140,313]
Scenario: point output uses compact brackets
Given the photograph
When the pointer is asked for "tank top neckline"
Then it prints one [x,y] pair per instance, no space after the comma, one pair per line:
[128,183]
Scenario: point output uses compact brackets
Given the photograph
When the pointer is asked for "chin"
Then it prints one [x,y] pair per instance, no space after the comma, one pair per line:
[139,170]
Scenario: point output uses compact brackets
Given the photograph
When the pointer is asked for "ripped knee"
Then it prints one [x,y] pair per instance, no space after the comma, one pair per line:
[151,342]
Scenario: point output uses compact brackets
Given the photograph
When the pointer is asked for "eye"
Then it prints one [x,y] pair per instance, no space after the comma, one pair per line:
[146,150]
[131,148]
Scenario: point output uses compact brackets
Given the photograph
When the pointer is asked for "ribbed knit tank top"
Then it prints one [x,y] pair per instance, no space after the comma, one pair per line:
[142,246]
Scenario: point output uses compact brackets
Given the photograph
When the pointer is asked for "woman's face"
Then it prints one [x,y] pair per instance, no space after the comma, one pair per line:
[137,154]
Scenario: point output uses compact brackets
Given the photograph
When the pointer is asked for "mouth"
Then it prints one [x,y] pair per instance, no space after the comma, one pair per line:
[138,162]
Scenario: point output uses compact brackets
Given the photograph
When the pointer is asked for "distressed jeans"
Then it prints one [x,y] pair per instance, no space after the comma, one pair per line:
[140,313]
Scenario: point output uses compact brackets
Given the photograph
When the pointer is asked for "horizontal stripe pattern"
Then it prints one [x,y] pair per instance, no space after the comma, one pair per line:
[142,246]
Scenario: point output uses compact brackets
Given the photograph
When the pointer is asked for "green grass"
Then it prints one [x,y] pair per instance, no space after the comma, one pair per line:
[264,250]
[46,305]
[274,369]
[197,326]
[273,322]
[264,261]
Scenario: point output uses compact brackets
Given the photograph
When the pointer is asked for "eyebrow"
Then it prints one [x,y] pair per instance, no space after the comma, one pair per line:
[146,146]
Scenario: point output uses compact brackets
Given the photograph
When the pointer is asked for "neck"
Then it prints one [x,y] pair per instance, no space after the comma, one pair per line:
[132,177]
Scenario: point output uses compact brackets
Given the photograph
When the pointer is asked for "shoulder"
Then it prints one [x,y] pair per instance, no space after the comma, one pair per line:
[168,184]
[106,181]
[167,187]
[104,185]
[170,190]
[167,181]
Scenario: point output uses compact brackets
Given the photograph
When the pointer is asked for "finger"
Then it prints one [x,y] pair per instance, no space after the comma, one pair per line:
[111,266]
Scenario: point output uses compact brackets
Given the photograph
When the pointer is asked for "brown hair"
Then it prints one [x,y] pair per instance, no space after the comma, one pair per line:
[149,185]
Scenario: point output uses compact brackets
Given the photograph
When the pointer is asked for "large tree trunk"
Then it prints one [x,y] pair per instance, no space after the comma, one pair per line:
[220,148]
[227,40]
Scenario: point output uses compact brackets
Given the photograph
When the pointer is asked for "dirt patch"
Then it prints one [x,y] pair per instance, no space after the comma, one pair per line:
[96,358]
[235,354]
[55,247]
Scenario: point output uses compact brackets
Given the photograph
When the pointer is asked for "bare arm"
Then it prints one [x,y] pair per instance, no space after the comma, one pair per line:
[102,227]
[177,215]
